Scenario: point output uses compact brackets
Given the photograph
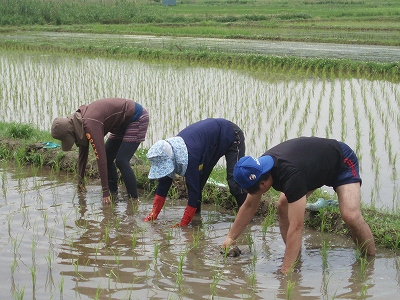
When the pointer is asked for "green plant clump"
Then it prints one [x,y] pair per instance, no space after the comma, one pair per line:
[20,131]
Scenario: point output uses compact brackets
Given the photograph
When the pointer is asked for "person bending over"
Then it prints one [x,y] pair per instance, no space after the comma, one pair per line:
[193,153]
[127,123]
[296,168]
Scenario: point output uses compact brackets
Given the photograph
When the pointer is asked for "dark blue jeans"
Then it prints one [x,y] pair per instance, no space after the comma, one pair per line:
[235,151]
[119,154]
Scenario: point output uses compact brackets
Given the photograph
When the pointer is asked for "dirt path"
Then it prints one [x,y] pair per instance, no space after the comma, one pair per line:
[301,49]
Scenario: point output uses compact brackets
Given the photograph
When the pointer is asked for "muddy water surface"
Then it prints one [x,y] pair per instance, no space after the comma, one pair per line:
[57,244]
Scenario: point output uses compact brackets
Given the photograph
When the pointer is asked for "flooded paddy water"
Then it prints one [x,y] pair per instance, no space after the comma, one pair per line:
[57,244]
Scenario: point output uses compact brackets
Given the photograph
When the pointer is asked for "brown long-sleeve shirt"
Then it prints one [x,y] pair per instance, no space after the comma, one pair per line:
[99,118]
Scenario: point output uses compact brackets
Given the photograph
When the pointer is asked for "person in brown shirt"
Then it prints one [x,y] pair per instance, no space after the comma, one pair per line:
[127,123]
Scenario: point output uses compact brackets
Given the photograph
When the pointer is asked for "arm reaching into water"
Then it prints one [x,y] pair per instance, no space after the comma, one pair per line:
[243,218]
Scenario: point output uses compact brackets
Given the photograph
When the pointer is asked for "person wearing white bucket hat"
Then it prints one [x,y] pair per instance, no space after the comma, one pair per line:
[193,153]
[296,168]
[127,123]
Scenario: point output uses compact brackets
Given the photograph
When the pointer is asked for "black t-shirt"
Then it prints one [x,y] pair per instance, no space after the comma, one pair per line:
[305,164]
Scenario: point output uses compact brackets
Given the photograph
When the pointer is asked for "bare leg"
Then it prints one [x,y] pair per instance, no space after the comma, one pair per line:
[283,215]
[349,203]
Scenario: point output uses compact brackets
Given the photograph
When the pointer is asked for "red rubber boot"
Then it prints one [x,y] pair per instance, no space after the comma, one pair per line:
[187,216]
[158,204]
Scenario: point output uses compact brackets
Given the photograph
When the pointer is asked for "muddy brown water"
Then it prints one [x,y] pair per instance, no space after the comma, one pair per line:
[57,244]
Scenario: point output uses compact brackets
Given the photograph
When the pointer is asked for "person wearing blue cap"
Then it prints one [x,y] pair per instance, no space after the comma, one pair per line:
[193,153]
[296,168]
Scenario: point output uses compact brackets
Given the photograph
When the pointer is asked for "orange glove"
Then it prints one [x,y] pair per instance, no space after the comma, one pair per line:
[187,216]
[158,204]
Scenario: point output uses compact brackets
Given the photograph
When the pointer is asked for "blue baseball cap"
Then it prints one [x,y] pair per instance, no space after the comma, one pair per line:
[248,169]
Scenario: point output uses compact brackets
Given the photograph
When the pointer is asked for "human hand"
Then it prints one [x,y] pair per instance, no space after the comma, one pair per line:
[232,252]
[229,241]
[106,200]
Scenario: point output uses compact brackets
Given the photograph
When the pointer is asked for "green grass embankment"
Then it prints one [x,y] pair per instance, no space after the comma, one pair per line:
[333,21]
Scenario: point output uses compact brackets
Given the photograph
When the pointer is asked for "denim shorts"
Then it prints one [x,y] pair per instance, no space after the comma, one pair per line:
[351,171]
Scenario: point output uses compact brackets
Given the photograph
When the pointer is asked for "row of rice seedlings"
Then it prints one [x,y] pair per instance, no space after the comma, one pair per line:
[343,120]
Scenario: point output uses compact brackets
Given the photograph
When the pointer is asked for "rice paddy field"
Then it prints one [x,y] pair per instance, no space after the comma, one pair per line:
[57,243]
[60,244]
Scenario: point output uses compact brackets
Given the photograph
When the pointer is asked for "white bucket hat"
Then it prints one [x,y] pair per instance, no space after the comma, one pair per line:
[168,157]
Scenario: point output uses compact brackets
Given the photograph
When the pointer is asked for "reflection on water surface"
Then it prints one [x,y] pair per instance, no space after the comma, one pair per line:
[59,244]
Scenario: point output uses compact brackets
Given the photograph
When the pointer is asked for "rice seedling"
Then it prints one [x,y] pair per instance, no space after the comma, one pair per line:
[169,236]
[324,254]
[197,236]
[253,279]
[216,277]
[65,218]
[49,259]
[106,235]
[75,264]
[19,293]
[290,288]
[134,238]
[135,206]
[61,287]
[33,276]
[179,272]
[325,283]
[98,292]
[364,290]
[16,246]
[250,240]
[111,274]
[269,220]
[117,257]
[364,264]
[117,222]
[156,250]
